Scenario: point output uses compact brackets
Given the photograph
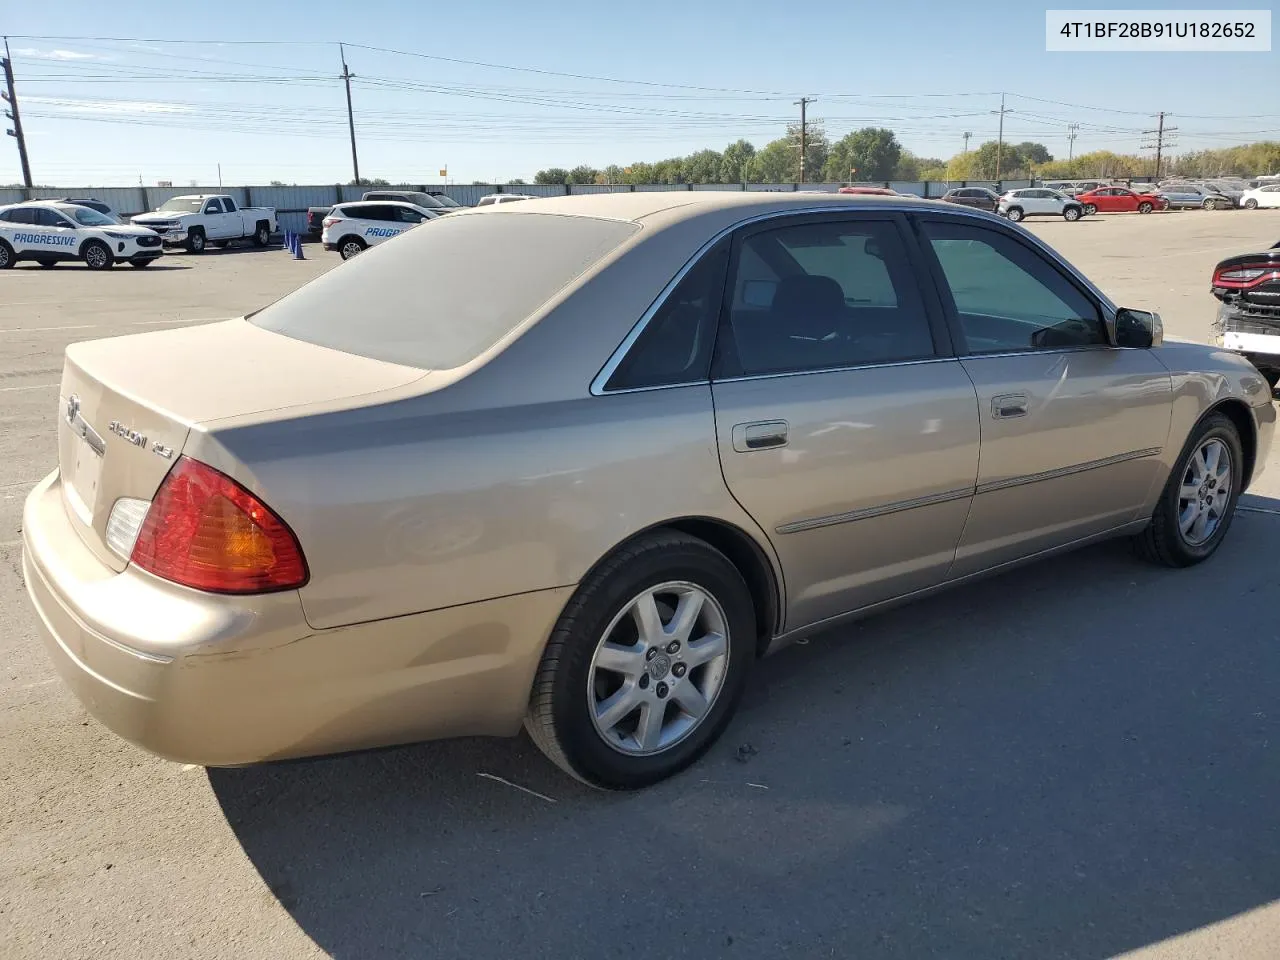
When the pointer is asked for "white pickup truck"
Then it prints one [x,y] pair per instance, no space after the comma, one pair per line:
[200,219]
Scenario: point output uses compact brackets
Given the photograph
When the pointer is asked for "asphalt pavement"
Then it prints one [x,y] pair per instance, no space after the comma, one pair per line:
[1074,760]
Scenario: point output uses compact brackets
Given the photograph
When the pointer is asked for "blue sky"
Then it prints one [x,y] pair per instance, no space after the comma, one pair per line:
[106,112]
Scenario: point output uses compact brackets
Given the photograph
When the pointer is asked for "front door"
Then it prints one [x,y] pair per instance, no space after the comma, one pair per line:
[845,427]
[1072,427]
[215,221]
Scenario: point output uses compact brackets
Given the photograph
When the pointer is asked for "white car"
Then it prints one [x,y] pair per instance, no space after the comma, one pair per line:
[1039,202]
[492,198]
[51,232]
[1266,195]
[351,227]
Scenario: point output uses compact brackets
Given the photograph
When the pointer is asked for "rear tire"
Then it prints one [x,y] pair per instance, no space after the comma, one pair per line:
[1014,213]
[7,256]
[350,246]
[195,240]
[97,255]
[262,236]
[650,681]
[1090,209]
[1167,540]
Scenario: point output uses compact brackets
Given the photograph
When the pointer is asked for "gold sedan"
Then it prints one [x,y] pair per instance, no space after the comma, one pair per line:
[628,445]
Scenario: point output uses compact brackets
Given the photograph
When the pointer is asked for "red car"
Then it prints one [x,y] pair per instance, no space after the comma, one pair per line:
[1120,200]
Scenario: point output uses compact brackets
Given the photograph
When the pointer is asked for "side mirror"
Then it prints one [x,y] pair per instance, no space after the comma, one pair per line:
[1140,329]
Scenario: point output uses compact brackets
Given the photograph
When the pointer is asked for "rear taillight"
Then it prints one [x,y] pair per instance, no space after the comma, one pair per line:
[1240,276]
[205,531]
[330,221]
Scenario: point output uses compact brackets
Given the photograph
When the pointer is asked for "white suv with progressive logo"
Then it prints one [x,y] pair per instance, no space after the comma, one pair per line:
[51,232]
[351,227]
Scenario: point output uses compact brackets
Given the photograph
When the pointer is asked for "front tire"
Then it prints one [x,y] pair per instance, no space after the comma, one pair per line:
[195,240]
[7,256]
[1145,207]
[1251,204]
[1071,214]
[1199,500]
[351,246]
[646,665]
[1015,214]
[97,255]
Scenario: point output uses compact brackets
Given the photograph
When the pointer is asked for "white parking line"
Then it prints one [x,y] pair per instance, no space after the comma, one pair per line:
[75,326]
[38,386]
[134,323]
[147,323]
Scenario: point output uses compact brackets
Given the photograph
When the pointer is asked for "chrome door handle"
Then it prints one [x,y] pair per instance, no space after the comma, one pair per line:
[759,435]
[1009,405]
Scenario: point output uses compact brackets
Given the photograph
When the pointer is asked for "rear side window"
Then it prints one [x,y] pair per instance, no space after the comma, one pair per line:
[439,297]
[1009,298]
[675,346]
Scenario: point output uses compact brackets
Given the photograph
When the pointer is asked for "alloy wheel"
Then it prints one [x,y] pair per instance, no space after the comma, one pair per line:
[1205,492]
[658,668]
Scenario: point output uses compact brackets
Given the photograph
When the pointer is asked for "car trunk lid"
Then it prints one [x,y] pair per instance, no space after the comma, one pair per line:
[128,404]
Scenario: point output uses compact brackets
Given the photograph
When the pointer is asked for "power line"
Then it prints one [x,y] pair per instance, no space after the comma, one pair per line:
[802,103]
[1162,139]
[11,97]
[351,121]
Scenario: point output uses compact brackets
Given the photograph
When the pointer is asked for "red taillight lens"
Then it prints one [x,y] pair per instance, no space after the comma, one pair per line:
[206,531]
[1242,276]
[330,221]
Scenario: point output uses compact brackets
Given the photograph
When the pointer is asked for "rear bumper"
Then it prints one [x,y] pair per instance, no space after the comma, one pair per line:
[224,681]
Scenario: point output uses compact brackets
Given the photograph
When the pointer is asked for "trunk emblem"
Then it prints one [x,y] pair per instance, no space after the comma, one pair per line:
[81,427]
[127,434]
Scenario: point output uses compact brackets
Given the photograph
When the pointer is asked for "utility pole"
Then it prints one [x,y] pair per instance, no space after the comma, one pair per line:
[1073,131]
[1000,140]
[1163,138]
[966,136]
[12,113]
[802,103]
[351,121]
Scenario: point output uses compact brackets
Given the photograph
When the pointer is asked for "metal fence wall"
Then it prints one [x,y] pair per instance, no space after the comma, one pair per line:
[291,202]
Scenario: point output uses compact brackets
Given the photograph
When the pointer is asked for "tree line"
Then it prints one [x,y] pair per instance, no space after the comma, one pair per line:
[875,154]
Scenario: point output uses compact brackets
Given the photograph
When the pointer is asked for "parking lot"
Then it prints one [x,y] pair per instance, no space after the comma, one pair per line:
[1074,760]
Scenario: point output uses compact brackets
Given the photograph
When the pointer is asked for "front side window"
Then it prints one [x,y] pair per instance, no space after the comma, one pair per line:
[1007,296]
[213,206]
[675,346]
[44,217]
[407,215]
[823,295]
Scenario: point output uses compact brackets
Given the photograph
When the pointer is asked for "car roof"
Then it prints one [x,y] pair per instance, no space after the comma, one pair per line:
[375,203]
[675,205]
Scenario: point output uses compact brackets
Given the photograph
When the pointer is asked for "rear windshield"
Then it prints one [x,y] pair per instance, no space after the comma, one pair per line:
[441,295]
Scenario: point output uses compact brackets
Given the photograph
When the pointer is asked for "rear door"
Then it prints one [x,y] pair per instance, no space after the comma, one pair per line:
[845,425]
[1072,427]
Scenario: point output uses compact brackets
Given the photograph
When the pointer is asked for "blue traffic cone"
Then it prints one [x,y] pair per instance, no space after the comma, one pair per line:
[288,242]
[297,247]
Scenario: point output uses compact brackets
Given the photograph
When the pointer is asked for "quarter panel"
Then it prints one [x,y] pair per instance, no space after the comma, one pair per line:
[400,509]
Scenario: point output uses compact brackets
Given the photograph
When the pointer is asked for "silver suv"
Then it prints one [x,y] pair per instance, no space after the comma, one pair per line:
[1039,202]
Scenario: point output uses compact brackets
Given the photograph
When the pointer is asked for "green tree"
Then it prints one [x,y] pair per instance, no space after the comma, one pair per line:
[517,182]
[702,167]
[872,151]
[582,174]
[612,174]
[776,162]
[1033,152]
[366,182]
[638,173]
[670,170]
[552,175]
[816,151]
[734,160]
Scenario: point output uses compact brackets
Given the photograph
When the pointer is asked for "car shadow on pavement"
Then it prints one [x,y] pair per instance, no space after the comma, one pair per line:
[1071,760]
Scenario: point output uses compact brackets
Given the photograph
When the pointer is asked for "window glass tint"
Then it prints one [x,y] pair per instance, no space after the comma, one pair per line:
[44,217]
[23,215]
[676,344]
[1009,297]
[213,206]
[229,204]
[374,306]
[405,215]
[823,295]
